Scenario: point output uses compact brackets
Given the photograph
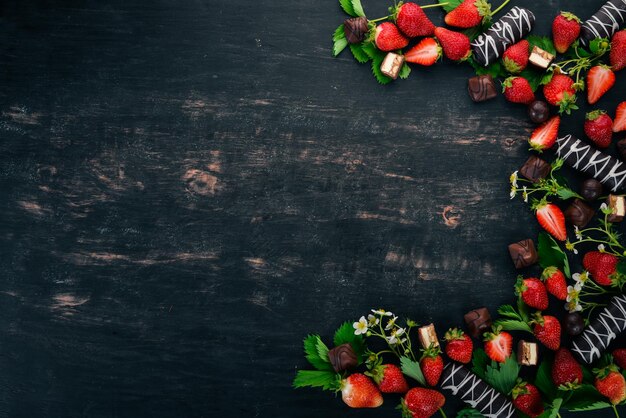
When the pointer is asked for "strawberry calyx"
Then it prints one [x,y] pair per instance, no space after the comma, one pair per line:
[484,9]
[570,16]
[520,286]
[570,386]
[593,115]
[454,334]
[567,103]
[431,352]
[548,272]
[495,333]
[521,388]
[537,319]
[602,373]
[403,407]
[539,204]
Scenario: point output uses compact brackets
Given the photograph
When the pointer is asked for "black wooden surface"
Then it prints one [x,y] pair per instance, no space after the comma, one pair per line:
[189,187]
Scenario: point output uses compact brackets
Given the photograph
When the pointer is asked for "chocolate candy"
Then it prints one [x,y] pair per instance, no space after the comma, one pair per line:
[392,64]
[618,206]
[428,336]
[540,58]
[608,170]
[527,353]
[478,322]
[605,22]
[481,88]
[538,111]
[523,253]
[461,382]
[590,345]
[591,189]
[510,29]
[342,358]
[535,169]
[574,323]
[355,29]
[579,213]
[621,148]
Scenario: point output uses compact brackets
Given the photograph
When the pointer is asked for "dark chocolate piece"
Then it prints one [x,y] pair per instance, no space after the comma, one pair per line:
[392,64]
[591,189]
[527,353]
[342,358]
[608,20]
[605,328]
[461,382]
[523,253]
[482,88]
[607,169]
[618,206]
[355,29]
[540,58]
[535,169]
[574,323]
[538,111]
[579,213]
[478,322]
[621,148]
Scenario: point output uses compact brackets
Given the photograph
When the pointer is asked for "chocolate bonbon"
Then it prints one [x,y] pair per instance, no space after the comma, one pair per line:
[594,340]
[607,169]
[481,88]
[608,20]
[461,382]
[342,357]
[392,64]
[535,169]
[355,29]
[523,253]
[478,322]
[591,189]
[579,213]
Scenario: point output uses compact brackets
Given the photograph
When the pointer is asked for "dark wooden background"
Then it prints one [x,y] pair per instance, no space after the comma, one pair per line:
[190,187]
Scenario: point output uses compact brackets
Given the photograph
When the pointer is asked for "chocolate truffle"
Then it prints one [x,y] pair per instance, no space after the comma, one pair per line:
[618,206]
[538,111]
[591,189]
[428,336]
[342,357]
[527,353]
[355,29]
[535,169]
[478,322]
[579,213]
[540,58]
[481,88]
[523,253]
[392,64]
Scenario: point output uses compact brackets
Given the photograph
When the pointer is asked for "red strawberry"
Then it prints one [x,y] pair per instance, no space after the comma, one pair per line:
[460,346]
[533,292]
[432,365]
[551,218]
[619,123]
[422,403]
[468,14]
[527,399]
[498,345]
[565,30]
[412,20]
[619,355]
[518,90]
[358,391]
[389,38]
[618,51]
[601,266]
[565,370]
[611,383]
[547,329]
[427,52]
[599,80]
[515,57]
[544,136]
[389,378]
[560,91]
[554,279]
[599,128]
[455,45]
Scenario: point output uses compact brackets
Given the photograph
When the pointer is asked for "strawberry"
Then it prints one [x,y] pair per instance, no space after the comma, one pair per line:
[421,403]
[599,80]
[468,14]
[611,383]
[565,30]
[358,391]
[455,45]
[619,355]
[599,128]
[412,20]
[460,346]
[618,51]
[527,399]
[560,91]
[533,292]
[518,90]
[389,38]
[515,57]
[547,329]
[427,52]
[554,279]
[619,123]
[544,136]
[389,378]
[565,370]
[431,364]
[601,266]
[551,218]
[498,345]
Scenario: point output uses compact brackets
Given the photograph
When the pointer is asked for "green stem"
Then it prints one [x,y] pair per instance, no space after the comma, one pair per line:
[380,18]
[428,6]
[500,7]
[615,410]
[443,414]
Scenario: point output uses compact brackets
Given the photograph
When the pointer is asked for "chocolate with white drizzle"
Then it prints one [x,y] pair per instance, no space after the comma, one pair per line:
[608,20]
[510,29]
[460,381]
[607,169]
[590,345]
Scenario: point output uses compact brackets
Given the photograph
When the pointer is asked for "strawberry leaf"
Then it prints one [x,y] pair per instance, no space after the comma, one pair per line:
[404,71]
[449,5]
[551,254]
[502,376]
[412,369]
[469,413]
[345,334]
[543,380]
[479,362]
[358,53]
[542,42]
[339,46]
[565,193]
[317,379]
[370,49]
[313,345]
[357,7]
[584,397]
[513,325]
[553,410]
[382,78]
[347,7]
[533,76]
[339,33]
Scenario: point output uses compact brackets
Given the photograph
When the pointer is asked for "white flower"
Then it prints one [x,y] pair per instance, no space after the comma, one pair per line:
[393,338]
[513,192]
[360,327]
[381,312]
[372,320]
[525,194]
[603,206]
[573,307]
[601,248]
[399,332]
[513,179]
[579,236]
[391,323]
[580,279]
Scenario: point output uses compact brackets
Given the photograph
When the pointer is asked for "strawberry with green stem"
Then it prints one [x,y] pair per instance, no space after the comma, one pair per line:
[432,365]
[611,384]
[565,31]
[422,403]
[600,79]
[527,399]
[533,292]
[388,377]
[561,91]
[551,218]
[547,329]
[459,346]
[599,128]
[498,344]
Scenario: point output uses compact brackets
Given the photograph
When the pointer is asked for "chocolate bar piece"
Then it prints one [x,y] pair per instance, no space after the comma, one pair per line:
[607,169]
[579,213]
[527,353]
[595,339]
[481,88]
[392,64]
[510,29]
[342,357]
[428,336]
[618,206]
[540,58]
[523,253]
[478,322]
[608,20]
[535,169]
[355,29]
[461,382]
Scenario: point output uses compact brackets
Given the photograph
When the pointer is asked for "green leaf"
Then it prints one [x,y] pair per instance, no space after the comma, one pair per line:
[451,4]
[313,353]
[339,33]
[502,376]
[345,334]
[316,379]
[543,380]
[404,71]
[553,410]
[382,78]
[469,413]
[621,267]
[495,69]
[533,76]
[585,397]
[370,49]
[358,8]
[566,193]
[339,46]
[596,46]
[479,362]
[551,254]
[358,53]
[523,310]
[412,369]
[513,325]
[542,42]
[593,406]
[322,350]
[347,7]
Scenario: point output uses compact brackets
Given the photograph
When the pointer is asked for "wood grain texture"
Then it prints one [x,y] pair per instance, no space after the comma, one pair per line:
[191,187]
